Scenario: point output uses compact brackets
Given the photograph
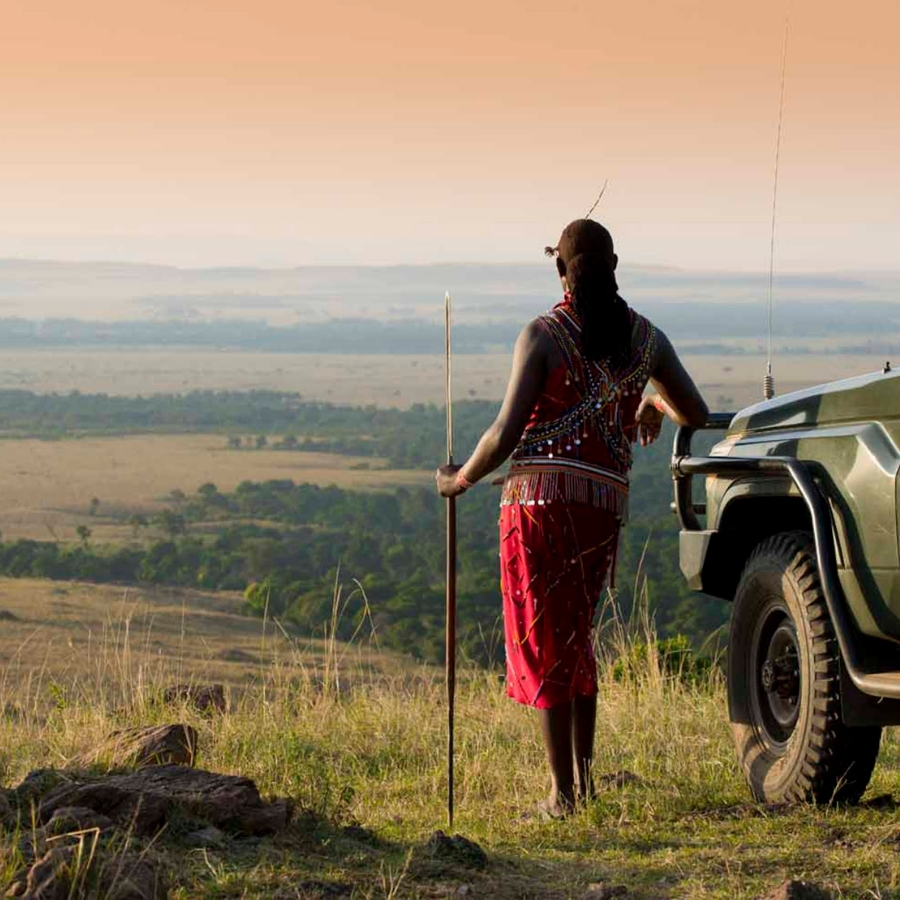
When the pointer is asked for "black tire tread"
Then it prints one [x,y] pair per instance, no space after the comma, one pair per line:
[837,761]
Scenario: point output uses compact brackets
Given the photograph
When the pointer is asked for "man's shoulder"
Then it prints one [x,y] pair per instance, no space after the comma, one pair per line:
[643,327]
[537,332]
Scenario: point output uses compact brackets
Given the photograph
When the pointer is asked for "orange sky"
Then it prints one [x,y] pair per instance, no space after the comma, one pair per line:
[272,132]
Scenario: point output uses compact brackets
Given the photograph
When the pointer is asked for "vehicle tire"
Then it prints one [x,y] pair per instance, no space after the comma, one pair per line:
[784,683]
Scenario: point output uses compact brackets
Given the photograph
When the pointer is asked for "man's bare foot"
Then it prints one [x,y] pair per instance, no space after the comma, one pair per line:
[558,805]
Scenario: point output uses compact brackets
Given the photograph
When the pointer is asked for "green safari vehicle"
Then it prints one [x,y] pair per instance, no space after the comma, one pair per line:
[802,535]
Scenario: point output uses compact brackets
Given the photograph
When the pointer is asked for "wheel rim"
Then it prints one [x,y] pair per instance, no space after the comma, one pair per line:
[775,676]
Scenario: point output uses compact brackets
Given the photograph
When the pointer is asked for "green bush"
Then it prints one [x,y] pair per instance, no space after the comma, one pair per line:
[673,658]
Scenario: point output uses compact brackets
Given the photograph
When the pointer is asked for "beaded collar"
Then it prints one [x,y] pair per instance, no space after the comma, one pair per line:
[598,390]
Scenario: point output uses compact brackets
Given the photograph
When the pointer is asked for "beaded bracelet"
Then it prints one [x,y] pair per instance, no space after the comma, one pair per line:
[463,482]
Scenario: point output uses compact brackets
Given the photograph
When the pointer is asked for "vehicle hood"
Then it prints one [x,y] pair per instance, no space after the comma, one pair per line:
[872,397]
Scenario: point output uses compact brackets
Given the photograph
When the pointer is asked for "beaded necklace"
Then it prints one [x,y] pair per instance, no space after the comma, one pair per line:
[600,391]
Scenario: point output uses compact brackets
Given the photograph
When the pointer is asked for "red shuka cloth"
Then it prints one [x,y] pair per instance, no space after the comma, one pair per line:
[561,510]
[554,563]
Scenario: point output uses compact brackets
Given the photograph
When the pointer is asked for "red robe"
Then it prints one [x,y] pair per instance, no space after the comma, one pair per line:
[563,503]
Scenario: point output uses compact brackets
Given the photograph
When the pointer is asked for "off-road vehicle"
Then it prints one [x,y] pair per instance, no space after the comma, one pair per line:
[801,534]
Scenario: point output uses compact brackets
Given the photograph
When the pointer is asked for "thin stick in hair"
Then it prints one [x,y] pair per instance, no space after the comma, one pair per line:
[587,215]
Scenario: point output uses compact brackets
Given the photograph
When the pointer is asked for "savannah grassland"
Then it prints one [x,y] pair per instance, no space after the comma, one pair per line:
[384,379]
[356,736]
[357,740]
[47,486]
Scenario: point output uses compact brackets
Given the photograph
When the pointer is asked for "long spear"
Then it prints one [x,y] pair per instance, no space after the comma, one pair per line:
[450,653]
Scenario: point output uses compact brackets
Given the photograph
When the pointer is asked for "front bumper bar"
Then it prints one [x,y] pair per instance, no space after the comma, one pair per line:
[685,466]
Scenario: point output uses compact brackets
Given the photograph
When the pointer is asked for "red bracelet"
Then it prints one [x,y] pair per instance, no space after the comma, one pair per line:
[463,482]
[658,404]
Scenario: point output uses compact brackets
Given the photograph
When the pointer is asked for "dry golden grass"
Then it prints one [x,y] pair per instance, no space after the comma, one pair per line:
[60,629]
[384,379]
[358,744]
[47,486]
[70,633]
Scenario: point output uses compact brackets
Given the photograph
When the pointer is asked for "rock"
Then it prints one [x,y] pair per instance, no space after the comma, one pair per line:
[67,819]
[361,834]
[136,748]
[32,844]
[128,808]
[602,891]
[619,779]
[7,616]
[7,816]
[456,849]
[798,890]
[133,876]
[123,876]
[48,878]
[206,698]
[67,826]
[38,782]
[146,798]
[205,837]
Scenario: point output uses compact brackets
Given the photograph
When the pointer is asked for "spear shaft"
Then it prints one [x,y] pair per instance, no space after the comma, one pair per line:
[450,653]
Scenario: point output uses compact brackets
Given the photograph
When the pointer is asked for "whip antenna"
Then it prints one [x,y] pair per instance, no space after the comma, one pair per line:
[769,380]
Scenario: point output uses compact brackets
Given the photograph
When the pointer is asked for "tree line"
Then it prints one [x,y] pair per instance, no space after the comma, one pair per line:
[406,438]
[284,545]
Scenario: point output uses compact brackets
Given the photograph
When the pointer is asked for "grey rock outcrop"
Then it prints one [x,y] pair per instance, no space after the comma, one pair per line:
[123,876]
[206,698]
[136,748]
[145,799]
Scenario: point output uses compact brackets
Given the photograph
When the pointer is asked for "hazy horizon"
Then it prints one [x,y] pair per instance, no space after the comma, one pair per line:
[538,261]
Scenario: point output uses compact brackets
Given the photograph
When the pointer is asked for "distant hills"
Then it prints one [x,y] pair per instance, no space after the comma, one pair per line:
[390,309]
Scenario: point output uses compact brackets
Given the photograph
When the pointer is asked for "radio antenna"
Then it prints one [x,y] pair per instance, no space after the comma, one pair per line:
[769,380]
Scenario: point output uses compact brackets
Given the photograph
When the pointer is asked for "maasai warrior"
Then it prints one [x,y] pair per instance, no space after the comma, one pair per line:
[574,405]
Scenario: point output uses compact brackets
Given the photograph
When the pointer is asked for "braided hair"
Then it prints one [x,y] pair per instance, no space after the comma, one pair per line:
[586,259]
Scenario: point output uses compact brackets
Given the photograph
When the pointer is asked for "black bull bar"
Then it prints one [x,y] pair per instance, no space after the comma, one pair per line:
[802,474]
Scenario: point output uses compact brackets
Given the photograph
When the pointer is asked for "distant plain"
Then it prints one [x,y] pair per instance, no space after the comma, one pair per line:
[374,334]
[46,487]
[385,380]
